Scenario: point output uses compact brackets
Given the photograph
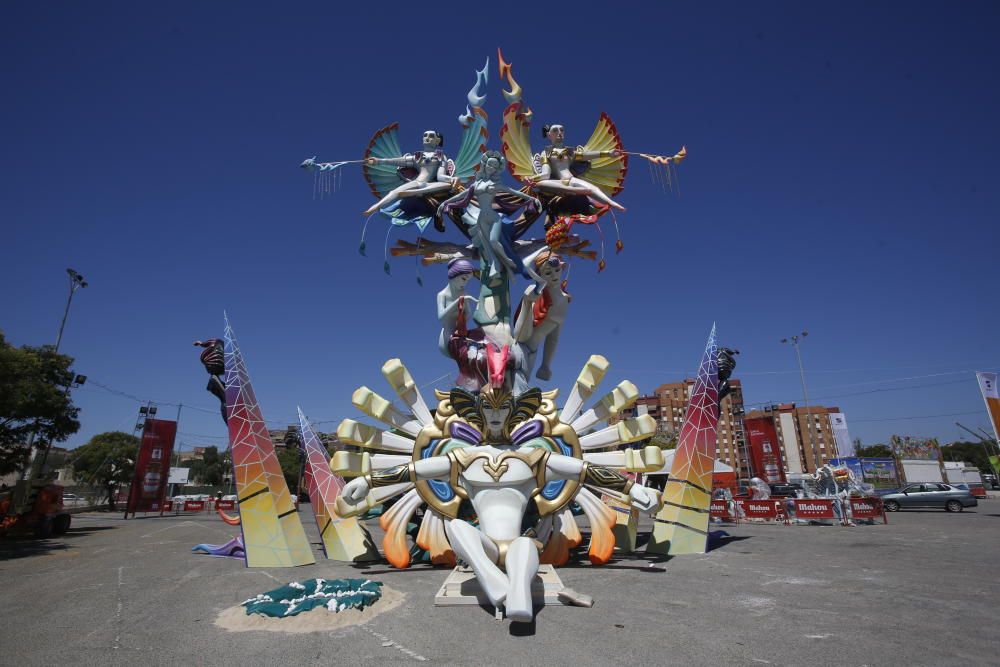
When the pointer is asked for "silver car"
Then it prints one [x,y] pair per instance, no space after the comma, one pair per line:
[929,494]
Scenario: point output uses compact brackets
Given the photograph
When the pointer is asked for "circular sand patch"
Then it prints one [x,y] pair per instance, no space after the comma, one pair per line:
[236,619]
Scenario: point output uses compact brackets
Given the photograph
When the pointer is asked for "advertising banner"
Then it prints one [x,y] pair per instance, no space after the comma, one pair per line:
[988,385]
[867,508]
[907,448]
[813,508]
[758,509]
[721,509]
[225,504]
[765,453]
[194,505]
[838,424]
[152,466]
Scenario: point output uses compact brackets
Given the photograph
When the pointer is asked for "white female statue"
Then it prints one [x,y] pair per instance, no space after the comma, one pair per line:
[541,317]
[555,175]
[433,172]
[450,300]
[498,455]
[490,218]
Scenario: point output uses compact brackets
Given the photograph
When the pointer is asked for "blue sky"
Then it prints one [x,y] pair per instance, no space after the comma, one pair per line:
[841,179]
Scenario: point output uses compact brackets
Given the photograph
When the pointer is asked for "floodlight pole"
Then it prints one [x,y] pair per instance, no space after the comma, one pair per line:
[76,281]
[805,394]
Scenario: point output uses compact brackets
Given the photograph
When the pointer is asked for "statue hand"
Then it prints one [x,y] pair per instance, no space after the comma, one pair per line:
[615,152]
[355,491]
[371,160]
[644,499]
[531,294]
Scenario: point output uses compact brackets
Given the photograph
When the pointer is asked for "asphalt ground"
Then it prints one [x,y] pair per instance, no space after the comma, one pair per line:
[922,590]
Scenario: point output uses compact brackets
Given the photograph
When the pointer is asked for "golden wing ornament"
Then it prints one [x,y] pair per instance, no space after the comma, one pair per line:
[607,173]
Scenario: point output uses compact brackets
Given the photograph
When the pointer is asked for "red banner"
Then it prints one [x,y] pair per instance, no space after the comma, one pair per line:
[867,508]
[810,508]
[194,505]
[764,450]
[721,509]
[168,505]
[758,509]
[225,504]
[152,466]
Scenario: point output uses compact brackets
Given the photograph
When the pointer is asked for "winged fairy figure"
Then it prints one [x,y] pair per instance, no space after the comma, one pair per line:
[575,184]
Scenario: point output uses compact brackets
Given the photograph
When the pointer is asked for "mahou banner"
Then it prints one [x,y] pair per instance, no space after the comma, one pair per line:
[988,385]
[152,466]
[765,452]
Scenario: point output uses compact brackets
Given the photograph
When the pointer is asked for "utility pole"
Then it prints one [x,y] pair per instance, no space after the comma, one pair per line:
[794,340]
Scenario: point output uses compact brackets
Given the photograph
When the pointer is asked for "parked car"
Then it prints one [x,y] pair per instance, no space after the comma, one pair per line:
[929,494]
[785,490]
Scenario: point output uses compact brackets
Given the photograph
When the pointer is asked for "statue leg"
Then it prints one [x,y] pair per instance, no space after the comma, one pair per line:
[598,194]
[472,546]
[392,196]
[548,354]
[522,566]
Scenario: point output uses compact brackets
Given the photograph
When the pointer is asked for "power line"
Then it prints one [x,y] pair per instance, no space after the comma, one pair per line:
[893,419]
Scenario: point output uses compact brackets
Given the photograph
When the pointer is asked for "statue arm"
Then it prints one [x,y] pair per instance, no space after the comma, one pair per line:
[442,175]
[436,467]
[524,326]
[407,160]
[580,154]
[445,309]
[517,193]
[559,466]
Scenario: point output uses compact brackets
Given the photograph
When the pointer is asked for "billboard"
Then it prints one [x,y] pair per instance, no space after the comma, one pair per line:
[880,473]
[838,424]
[178,476]
[764,450]
[152,466]
[908,448]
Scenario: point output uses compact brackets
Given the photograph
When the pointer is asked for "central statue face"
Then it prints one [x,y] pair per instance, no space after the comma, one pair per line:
[556,134]
[495,419]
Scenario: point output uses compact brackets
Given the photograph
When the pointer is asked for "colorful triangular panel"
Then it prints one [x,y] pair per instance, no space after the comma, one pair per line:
[343,539]
[272,532]
[681,526]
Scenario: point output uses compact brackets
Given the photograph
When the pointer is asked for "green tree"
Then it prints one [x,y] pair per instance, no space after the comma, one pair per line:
[108,460]
[291,464]
[874,452]
[33,398]
[973,453]
[210,468]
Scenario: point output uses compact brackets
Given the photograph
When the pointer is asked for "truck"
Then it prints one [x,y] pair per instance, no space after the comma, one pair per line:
[33,507]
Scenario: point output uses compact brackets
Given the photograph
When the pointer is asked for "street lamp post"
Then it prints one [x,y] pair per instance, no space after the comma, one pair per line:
[76,281]
[794,340]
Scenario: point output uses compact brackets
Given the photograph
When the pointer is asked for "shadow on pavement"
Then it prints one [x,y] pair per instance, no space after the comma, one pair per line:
[26,547]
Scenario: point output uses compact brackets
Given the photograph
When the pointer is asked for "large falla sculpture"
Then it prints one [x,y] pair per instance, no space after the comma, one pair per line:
[495,465]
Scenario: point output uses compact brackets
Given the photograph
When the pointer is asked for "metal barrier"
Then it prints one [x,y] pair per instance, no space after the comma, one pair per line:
[797,510]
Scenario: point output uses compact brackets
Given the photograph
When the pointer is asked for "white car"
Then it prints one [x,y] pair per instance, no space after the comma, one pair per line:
[73,500]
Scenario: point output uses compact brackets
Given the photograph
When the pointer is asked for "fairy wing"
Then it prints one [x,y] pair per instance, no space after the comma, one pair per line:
[474,136]
[607,173]
[383,178]
[515,144]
